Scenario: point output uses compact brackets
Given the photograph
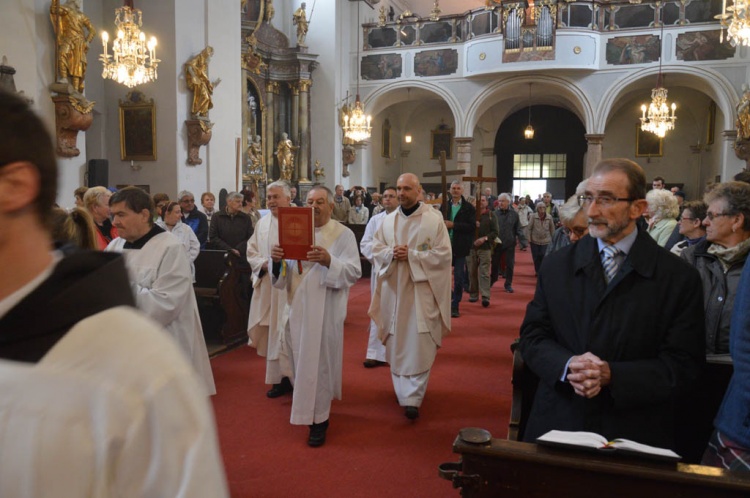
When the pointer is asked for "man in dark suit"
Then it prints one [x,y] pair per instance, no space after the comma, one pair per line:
[614,331]
[461,225]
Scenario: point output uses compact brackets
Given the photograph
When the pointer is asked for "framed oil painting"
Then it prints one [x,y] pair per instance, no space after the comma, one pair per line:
[647,144]
[442,139]
[137,128]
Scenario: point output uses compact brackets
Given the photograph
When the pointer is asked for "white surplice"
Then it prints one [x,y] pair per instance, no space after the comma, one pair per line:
[411,305]
[188,239]
[375,347]
[113,409]
[163,287]
[268,308]
[318,300]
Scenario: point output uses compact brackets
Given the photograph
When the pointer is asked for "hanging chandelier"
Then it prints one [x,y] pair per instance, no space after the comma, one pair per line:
[528,133]
[656,117]
[133,60]
[356,122]
[736,20]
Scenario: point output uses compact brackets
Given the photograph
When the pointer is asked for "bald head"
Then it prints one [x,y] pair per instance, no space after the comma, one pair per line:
[408,190]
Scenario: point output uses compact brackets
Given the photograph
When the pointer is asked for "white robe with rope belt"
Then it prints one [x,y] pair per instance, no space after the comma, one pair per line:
[268,309]
[318,300]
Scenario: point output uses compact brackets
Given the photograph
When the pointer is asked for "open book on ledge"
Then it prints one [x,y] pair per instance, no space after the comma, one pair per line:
[596,442]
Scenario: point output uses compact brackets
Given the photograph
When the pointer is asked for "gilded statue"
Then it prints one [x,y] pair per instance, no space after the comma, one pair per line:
[254,152]
[300,20]
[743,115]
[285,156]
[318,172]
[270,11]
[381,16]
[73,33]
[196,76]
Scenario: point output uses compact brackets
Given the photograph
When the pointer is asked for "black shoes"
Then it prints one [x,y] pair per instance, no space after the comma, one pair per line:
[411,412]
[509,290]
[372,363]
[455,313]
[485,302]
[280,389]
[317,434]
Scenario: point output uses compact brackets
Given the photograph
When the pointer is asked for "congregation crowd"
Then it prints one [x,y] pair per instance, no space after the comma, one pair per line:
[639,295]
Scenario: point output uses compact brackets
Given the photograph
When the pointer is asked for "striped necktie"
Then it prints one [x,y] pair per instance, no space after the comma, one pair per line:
[609,263]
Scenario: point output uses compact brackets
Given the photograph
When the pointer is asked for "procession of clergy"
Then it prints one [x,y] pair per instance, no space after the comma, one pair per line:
[625,382]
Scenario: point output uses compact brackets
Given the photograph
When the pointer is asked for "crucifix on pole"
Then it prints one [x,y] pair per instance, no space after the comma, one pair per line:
[443,174]
[479,179]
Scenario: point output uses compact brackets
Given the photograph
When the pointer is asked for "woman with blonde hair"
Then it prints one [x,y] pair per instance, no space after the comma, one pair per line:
[663,210]
[75,227]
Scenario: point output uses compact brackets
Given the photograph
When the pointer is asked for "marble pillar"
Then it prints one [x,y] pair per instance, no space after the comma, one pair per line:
[303,161]
[294,132]
[593,154]
[272,89]
[490,167]
[463,159]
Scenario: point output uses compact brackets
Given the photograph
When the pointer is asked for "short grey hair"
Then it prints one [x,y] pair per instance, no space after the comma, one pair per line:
[505,196]
[663,204]
[93,196]
[185,193]
[324,188]
[457,182]
[235,195]
[571,207]
[284,186]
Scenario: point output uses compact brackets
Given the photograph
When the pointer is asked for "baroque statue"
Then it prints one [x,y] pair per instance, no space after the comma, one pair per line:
[270,11]
[743,115]
[285,156]
[196,76]
[299,19]
[318,172]
[73,33]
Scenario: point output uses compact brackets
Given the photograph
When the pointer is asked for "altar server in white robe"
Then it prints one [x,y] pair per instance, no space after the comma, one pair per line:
[160,275]
[317,300]
[375,356]
[411,305]
[268,310]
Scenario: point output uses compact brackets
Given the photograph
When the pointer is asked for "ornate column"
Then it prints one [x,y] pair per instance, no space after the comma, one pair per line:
[463,157]
[593,154]
[303,161]
[294,131]
[272,89]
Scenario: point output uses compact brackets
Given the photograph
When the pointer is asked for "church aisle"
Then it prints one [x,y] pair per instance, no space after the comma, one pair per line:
[372,449]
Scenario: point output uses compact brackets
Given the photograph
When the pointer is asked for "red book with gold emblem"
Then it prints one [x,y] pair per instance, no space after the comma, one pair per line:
[296,231]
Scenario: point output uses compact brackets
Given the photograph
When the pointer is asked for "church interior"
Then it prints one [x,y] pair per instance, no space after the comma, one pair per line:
[240,93]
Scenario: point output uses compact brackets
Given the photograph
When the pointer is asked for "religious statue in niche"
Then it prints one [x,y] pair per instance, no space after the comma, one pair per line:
[299,19]
[196,76]
[348,156]
[255,169]
[73,33]
[285,156]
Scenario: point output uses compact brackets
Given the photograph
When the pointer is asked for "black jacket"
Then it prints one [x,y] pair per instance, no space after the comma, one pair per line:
[509,227]
[464,226]
[230,231]
[647,324]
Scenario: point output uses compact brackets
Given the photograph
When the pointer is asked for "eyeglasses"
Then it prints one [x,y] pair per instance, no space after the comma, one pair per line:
[188,201]
[688,218]
[579,231]
[602,200]
[711,215]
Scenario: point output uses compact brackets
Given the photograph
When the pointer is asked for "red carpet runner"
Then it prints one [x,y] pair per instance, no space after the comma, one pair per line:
[372,449]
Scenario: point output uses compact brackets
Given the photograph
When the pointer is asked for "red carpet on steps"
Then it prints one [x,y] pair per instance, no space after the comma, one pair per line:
[372,450]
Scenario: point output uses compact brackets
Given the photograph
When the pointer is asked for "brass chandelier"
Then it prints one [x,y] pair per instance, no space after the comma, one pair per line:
[736,20]
[656,117]
[133,60]
[356,123]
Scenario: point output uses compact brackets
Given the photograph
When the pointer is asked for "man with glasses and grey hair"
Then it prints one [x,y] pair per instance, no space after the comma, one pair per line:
[615,347]
[192,217]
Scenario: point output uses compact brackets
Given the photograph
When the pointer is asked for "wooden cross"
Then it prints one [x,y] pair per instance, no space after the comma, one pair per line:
[443,174]
[479,179]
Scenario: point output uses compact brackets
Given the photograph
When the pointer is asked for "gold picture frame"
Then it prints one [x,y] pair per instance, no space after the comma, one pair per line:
[386,148]
[647,144]
[442,140]
[137,128]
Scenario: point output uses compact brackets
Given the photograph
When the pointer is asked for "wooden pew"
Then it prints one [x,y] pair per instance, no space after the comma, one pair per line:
[501,468]
[222,303]
[359,232]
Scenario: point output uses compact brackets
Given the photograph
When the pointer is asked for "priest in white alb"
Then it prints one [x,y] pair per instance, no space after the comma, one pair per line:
[318,297]
[160,275]
[411,304]
[267,318]
[375,356]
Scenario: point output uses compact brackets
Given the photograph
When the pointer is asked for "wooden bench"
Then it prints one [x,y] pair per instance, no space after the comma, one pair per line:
[222,291]
[501,468]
